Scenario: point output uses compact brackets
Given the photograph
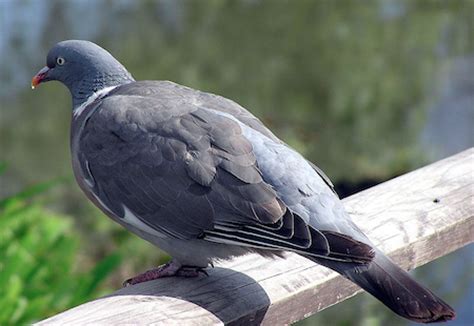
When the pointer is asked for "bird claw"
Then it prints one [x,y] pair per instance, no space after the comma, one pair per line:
[191,271]
[169,269]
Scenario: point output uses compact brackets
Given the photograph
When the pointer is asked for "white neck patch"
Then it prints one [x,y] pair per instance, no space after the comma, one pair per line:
[102,92]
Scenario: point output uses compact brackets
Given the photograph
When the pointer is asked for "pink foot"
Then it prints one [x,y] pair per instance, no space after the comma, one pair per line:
[172,268]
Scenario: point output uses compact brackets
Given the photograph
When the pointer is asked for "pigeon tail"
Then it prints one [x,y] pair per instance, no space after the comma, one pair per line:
[395,288]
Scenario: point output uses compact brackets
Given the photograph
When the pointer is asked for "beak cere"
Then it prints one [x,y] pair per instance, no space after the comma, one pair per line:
[38,78]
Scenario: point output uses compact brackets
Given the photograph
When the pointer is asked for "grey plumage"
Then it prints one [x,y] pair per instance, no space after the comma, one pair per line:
[190,172]
[202,178]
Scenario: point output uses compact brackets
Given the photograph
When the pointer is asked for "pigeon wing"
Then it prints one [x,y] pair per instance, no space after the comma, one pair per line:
[187,172]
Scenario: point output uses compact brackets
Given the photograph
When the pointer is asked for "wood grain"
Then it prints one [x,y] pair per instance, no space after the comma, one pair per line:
[415,218]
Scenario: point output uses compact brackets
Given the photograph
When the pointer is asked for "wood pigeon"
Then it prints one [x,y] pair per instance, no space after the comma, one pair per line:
[203,179]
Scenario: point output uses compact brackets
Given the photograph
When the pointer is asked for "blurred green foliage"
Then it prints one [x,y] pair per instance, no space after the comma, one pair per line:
[39,261]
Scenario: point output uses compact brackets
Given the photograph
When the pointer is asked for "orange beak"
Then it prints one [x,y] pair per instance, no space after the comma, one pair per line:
[38,78]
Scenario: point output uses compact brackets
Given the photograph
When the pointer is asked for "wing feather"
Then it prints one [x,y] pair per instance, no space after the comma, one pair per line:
[187,172]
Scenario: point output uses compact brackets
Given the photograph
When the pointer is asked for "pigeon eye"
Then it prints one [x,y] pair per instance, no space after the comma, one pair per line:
[60,61]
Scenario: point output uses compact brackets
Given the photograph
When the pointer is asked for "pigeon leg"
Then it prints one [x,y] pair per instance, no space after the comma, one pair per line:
[173,268]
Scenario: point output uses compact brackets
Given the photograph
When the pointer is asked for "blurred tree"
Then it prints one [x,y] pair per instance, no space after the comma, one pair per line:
[347,84]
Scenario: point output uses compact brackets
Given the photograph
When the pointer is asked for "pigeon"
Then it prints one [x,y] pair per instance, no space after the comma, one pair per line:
[203,179]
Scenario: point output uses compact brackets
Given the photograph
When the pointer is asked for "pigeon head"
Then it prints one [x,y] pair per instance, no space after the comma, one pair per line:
[83,67]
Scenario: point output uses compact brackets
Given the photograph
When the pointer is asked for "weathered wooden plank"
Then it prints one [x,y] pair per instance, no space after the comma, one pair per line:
[415,218]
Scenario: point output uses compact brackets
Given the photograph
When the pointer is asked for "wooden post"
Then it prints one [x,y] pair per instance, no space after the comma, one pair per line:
[415,218]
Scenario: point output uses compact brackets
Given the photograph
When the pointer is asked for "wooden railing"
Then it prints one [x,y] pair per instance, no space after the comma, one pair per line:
[415,218]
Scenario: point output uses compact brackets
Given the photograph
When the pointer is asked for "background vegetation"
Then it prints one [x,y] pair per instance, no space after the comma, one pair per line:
[351,85]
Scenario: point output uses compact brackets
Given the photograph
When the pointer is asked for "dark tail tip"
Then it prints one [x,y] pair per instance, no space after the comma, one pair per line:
[439,311]
[396,289]
[401,293]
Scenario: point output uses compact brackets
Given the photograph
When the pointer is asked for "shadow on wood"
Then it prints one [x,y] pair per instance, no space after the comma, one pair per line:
[228,295]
